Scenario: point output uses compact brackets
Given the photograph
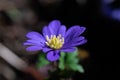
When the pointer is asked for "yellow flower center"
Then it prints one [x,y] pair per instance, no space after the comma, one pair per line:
[55,42]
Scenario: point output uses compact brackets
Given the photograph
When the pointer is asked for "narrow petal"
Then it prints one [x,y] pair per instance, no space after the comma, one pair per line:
[73,41]
[54,27]
[46,31]
[73,32]
[78,39]
[36,42]
[35,36]
[53,55]
[45,50]
[62,30]
[79,43]
[69,49]
[34,48]
[82,29]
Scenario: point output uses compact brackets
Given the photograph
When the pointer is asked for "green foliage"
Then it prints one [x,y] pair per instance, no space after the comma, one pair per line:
[70,61]
[67,61]
[61,61]
[80,68]
[76,67]
[42,61]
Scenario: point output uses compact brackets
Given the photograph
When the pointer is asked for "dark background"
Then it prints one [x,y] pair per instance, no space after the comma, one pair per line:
[100,33]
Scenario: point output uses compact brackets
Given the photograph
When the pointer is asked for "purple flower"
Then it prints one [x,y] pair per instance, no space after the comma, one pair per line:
[55,39]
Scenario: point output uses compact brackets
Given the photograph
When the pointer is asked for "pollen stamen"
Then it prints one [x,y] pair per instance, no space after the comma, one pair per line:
[55,42]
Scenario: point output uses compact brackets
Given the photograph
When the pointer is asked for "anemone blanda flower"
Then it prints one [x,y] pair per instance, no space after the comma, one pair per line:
[55,39]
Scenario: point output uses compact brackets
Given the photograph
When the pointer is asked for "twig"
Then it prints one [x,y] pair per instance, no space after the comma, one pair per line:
[18,63]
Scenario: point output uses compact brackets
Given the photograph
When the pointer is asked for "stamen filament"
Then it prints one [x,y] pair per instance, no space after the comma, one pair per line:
[55,42]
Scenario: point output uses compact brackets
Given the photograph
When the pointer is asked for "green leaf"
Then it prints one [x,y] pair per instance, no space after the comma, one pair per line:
[73,54]
[42,61]
[62,61]
[80,69]
[72,61]
[71,58]
[73,67]
[76,67]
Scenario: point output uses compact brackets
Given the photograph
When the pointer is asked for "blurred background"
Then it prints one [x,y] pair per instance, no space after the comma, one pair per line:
[17,17]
